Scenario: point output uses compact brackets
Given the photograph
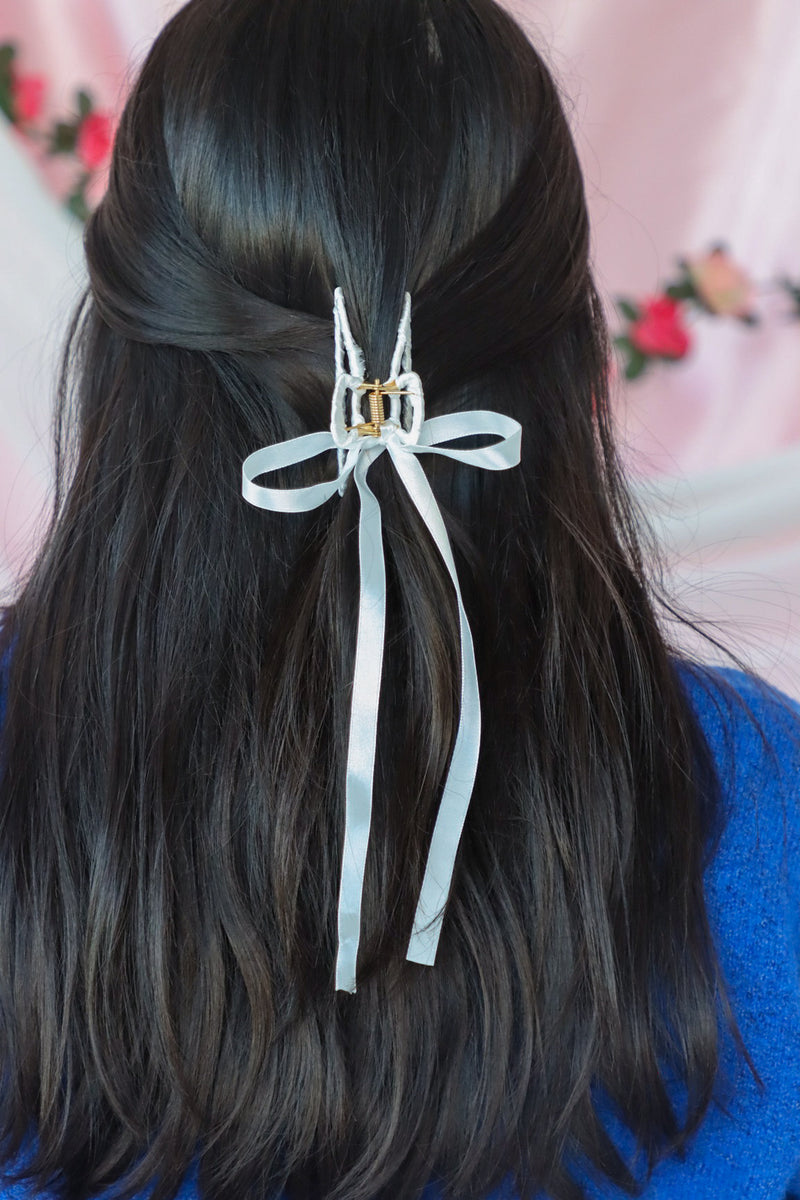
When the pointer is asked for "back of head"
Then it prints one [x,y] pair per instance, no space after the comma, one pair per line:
[178,701]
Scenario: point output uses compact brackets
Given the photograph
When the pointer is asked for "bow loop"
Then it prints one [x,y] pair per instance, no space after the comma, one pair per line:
[357,444]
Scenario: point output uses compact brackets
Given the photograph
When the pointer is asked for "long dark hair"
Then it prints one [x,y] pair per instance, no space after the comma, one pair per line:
[178,692]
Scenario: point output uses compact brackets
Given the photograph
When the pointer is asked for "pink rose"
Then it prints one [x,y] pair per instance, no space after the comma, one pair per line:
[721,284]
[659,330]
[28,96]
[95,137]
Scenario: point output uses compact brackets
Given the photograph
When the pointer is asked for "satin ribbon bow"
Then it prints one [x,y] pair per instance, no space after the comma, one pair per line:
[358,445]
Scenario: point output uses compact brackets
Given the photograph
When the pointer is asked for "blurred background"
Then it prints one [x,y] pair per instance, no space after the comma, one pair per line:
[684,116]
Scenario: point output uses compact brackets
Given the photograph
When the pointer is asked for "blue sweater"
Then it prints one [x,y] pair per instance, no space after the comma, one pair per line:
[753,893]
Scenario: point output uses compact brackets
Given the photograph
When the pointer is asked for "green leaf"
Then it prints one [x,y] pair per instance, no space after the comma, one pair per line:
[627,309]
[76,203]
[684,290]
[636,364]
[8,52]
[6,100]
[63,138]
[85,104]
[792,288]
[624,342]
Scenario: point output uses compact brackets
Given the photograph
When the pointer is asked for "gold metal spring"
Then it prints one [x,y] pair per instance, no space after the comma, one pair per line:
[377,415]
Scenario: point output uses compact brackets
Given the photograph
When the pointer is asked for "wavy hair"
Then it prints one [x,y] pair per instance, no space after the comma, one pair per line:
[178,694]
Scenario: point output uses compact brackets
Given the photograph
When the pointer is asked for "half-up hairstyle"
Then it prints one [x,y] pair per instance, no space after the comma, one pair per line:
[179,663]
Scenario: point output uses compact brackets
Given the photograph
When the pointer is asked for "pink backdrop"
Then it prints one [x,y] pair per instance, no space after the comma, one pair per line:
[685,117]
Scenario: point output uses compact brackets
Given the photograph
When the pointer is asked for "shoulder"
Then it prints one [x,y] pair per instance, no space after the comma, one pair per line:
[724,697]
[752,729]
[752,884]
[753,732]
[753,869]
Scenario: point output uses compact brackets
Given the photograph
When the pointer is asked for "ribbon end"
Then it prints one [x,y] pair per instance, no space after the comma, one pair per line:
[346,968]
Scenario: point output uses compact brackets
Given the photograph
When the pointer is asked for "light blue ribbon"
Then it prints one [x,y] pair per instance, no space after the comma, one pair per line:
[359,452]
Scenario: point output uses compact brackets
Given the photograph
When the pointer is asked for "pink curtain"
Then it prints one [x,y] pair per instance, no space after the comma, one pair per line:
[685,117]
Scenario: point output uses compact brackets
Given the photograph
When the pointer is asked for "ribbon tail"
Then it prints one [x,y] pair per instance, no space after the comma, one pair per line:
[363,726]
[450,819]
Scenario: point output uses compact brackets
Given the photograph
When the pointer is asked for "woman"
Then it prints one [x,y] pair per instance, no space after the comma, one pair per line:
[613,1003]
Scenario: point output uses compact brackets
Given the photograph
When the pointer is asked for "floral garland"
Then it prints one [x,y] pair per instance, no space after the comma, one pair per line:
[712,283]
[655,330]
[86,136]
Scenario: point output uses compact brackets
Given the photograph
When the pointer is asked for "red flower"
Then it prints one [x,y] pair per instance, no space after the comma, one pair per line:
[659,329]
[95,137]
[28,96]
